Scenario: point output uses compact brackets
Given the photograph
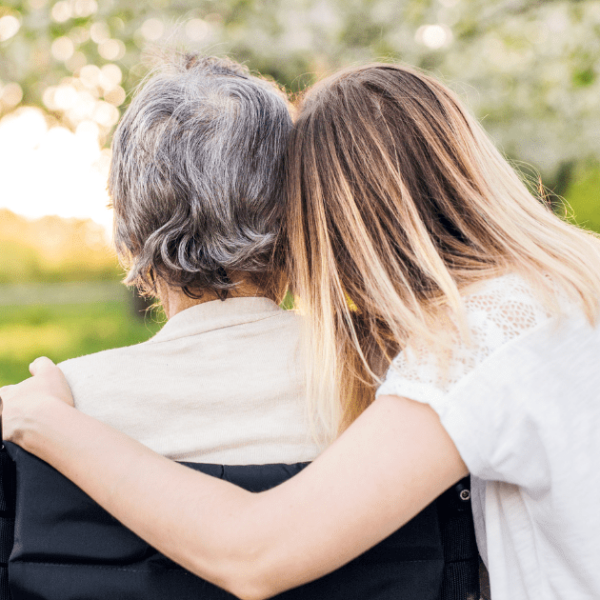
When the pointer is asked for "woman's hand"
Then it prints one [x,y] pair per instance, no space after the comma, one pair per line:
[25,403]
[392,461]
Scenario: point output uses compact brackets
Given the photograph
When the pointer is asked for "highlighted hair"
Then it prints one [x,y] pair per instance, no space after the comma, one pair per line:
[397,201]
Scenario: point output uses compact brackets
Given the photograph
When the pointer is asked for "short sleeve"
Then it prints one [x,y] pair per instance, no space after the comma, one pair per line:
[498,314]
[505,397]
[528,412]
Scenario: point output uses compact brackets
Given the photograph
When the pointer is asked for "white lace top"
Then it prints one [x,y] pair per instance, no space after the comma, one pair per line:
[522,404]
[499,311]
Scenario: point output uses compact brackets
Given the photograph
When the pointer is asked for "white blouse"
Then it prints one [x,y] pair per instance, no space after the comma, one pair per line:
[522,404]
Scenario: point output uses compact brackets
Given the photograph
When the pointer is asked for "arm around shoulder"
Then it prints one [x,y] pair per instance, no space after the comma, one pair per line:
[391,463]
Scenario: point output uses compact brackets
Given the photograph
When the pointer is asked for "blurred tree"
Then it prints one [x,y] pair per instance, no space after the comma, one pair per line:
[530,68]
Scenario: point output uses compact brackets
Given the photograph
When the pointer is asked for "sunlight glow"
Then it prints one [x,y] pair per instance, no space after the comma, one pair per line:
[196,29]
[61,11]
[51,170]
[153,29]
[62,48]
[9,26]
[111,49]
[10,95]
[434,36]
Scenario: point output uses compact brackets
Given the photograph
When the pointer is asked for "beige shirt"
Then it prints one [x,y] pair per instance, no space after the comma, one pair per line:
[222,382]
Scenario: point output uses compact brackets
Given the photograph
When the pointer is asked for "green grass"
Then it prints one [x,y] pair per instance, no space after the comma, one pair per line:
[583,197]
[66,331]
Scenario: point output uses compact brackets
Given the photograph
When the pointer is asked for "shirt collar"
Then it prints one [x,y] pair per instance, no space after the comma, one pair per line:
[216,314]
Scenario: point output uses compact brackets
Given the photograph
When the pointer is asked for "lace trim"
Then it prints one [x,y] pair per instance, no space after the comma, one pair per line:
[499,311]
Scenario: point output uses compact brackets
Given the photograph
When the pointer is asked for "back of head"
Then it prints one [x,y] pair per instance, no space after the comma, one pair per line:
[397,201]
[196,175]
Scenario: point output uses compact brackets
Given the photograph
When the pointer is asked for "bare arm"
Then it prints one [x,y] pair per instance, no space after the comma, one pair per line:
[391,463]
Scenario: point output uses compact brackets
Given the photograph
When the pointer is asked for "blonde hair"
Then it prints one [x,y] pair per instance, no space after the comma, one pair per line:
[396,202]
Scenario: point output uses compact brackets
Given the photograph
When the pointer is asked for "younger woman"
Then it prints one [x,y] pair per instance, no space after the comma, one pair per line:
[410,236]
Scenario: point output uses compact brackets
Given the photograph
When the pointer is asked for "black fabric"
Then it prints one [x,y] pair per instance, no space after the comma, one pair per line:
[7,517]
[68,548]
[461,579]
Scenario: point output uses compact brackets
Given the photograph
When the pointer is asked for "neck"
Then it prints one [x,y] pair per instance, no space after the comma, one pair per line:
[174,300]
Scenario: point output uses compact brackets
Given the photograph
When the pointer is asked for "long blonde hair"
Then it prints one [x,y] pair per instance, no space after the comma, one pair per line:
[396,202]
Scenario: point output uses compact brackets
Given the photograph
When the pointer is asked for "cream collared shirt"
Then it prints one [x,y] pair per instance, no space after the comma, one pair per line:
[222,382]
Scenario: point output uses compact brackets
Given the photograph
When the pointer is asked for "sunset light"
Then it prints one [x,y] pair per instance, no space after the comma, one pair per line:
[51,170]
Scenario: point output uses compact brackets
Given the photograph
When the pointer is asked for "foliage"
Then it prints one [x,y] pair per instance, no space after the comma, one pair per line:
[583,197]
[65,331]
[53,249]
[530,68]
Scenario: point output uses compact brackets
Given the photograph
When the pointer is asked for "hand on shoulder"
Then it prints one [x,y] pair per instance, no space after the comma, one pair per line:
[25,403]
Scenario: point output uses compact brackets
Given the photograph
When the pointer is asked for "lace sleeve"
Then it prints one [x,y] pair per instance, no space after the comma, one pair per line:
[501,310]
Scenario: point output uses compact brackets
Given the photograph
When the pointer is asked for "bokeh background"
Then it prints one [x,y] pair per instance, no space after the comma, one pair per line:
[530,70]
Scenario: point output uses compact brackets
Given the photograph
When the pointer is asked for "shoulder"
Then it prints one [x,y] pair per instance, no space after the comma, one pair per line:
[497,312]
[106,361]
[290,318]
[281,324]
[529,399]
[509,295]
[500,310]
[505,394]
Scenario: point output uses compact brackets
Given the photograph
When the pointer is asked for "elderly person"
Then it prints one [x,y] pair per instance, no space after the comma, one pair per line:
[195,178]
[195,181]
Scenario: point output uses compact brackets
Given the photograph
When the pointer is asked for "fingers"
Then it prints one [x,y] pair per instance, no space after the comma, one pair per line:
[5,390]
[40,365]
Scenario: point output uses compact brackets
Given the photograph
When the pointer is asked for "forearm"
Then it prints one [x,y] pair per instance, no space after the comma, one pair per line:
[200,522]
[390,464]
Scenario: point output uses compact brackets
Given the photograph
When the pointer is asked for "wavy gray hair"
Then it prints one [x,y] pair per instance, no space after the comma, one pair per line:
[195,177]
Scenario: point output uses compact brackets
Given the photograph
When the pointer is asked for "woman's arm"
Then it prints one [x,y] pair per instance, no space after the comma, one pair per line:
[391,463]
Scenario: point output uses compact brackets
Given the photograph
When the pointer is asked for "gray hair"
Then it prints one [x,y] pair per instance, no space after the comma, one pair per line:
[195,177]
